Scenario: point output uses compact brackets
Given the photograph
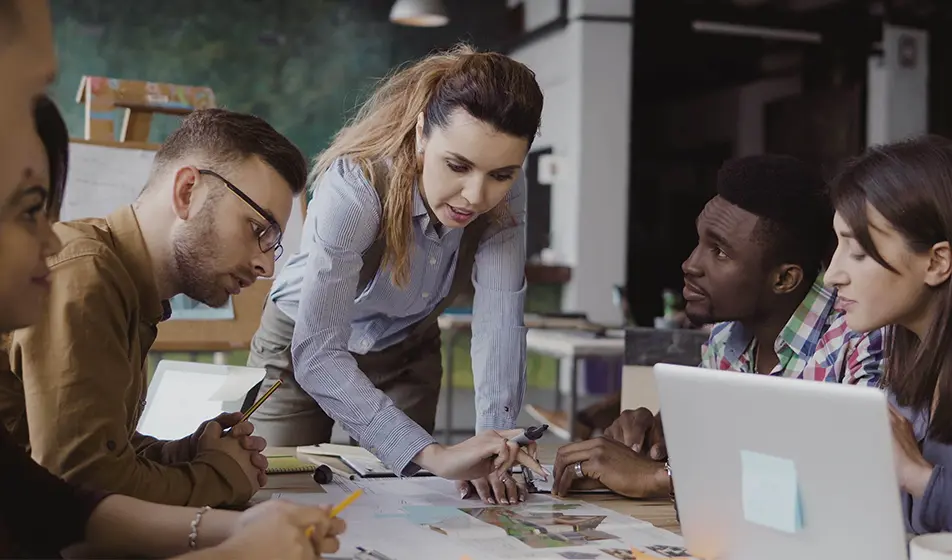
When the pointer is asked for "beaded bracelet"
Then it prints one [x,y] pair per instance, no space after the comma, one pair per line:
[193,536]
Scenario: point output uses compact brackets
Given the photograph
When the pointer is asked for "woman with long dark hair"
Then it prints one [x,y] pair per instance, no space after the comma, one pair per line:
[892,268]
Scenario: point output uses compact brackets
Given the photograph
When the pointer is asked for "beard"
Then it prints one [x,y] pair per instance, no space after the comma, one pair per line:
[195,249]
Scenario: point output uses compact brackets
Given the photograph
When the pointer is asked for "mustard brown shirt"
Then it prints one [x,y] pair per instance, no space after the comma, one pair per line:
[78,379]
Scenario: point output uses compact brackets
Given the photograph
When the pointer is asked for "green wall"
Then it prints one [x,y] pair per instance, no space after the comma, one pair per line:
[303,65]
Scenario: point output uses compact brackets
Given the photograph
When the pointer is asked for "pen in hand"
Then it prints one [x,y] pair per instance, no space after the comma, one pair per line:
[530,434]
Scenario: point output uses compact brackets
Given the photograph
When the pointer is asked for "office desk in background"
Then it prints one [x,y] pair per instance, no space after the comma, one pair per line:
[557,337]
[645,347]
[575,346]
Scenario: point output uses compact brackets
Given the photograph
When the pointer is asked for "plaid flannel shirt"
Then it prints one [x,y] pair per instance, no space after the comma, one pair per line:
[815,344]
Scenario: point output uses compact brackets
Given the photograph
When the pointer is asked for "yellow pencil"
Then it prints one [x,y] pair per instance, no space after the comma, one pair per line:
[346,502]
[309,532]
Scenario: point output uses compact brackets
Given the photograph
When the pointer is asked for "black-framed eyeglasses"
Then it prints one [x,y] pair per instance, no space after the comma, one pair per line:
[270,238]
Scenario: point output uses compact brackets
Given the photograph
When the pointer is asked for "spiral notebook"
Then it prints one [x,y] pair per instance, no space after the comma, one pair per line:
[283,464]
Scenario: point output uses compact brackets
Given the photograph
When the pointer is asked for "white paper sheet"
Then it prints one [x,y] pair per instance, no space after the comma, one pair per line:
[335,450]
[361,461]
[406,519]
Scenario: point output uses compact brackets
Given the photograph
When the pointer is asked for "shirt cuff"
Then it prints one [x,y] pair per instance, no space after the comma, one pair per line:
[486,423]
[396,439]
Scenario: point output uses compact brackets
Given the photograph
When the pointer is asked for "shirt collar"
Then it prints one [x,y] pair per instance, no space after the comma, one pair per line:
[802,331]
[431,227]
[131,249]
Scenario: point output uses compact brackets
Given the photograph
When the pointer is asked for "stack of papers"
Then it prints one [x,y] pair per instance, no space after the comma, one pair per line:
[361,461]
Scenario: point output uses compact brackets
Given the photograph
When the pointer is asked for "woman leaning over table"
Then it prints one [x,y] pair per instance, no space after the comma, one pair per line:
[892,267]
[40,514]
[422,193]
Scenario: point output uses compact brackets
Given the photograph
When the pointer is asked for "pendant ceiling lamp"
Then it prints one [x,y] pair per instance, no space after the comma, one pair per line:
[419,13]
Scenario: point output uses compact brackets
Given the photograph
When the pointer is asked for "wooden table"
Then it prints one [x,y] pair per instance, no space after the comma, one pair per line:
[657,512]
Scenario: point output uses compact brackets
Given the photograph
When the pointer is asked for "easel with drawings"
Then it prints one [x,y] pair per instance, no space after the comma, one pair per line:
[107,173]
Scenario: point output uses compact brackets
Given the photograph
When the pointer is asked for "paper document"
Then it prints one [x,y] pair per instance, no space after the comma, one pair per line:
[361,461]
[335,450]
[182,395]
[407,519]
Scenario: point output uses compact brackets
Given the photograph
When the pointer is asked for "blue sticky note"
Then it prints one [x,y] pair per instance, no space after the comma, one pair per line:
[770,492]
[431,515]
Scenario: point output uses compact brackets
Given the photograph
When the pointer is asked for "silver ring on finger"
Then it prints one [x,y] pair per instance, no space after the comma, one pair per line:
[578,470]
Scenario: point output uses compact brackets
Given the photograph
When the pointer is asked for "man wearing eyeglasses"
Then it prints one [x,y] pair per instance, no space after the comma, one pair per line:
[207,224]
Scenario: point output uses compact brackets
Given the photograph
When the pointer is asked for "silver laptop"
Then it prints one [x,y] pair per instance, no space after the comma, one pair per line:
[769,468]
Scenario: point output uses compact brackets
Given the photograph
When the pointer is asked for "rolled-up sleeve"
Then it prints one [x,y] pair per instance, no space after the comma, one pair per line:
[346,221]
[499,333]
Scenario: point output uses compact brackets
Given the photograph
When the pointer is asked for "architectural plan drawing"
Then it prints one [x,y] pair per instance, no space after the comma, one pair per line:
[419,518]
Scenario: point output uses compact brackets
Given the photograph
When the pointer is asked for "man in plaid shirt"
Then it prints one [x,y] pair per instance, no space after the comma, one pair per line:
[814,344]
[757,273]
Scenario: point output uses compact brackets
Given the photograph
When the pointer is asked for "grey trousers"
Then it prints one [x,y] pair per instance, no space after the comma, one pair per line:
[410,373]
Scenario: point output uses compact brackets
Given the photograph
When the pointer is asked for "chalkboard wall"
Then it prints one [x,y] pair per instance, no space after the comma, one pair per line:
[304,65]
[301,64]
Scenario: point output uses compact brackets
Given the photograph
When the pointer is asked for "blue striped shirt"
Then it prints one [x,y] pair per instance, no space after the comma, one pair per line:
[330,322]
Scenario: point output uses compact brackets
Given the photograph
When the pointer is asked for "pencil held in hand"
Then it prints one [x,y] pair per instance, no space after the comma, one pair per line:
[346,502]
[309,532]
[254,407]
[260,401]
